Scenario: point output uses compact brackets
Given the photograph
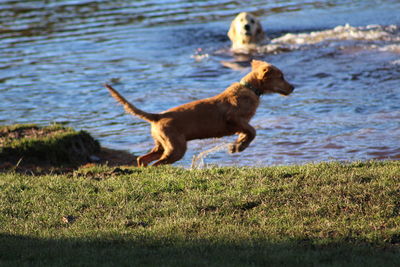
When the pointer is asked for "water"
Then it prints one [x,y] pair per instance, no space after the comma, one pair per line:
[55,55]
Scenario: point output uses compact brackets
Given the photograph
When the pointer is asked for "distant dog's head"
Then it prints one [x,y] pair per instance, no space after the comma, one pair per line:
[245,30]
[269,78]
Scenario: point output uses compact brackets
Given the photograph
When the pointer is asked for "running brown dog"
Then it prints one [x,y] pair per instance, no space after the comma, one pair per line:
[224,114]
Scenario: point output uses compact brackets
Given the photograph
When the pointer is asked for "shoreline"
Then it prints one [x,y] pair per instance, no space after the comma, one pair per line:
[54,148]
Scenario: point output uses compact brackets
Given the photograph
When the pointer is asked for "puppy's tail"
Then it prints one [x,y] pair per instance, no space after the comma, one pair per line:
[129,108]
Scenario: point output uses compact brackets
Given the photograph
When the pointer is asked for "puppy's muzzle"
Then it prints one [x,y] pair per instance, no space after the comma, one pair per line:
[290,89]
[285,90]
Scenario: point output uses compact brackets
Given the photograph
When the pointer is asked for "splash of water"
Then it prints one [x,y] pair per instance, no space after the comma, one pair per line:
[198,160]
[383,38]
[346,32]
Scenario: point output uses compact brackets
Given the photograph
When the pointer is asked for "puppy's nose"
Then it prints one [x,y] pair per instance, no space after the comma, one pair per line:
[292,87]
[247,27]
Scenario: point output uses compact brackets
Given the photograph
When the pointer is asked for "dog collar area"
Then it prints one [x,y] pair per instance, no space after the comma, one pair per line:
[257,91]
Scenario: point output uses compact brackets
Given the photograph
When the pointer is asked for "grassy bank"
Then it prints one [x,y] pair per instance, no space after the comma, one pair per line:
[321,214]
[53,145]
[53,148]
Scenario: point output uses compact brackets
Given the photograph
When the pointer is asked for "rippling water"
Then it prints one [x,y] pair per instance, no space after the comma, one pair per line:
[343,57]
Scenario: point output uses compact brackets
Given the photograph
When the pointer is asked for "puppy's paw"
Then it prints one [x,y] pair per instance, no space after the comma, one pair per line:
[233,148]
[237,147]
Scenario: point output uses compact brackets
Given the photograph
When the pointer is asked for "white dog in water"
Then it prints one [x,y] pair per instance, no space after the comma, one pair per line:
[245,32]
[246,35]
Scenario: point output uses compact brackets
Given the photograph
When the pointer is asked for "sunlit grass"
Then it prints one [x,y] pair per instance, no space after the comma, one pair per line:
[312,214]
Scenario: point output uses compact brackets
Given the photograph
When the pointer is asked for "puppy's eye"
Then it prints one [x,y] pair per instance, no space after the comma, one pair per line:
[252,21]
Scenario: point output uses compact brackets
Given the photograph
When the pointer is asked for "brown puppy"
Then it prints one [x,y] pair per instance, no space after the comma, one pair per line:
[245,32]
[224,114]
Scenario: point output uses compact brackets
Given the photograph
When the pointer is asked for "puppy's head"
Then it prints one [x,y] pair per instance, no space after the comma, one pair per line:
[270,78]
[245,29]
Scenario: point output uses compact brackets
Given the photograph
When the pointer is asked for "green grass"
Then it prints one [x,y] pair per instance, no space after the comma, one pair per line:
[317,214]
[53,145]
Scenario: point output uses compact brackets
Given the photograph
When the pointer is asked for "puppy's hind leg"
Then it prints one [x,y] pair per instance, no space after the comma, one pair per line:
[154,154]
[174,150]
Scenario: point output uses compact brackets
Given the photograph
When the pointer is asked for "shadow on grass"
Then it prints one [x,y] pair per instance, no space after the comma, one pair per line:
[23,250]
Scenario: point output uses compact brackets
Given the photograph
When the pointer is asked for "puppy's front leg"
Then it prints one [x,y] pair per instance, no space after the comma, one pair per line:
[246,135]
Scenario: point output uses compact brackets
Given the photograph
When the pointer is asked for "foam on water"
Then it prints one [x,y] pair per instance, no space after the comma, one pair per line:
[346,32]
[393,48]
[396,62]
[384,38]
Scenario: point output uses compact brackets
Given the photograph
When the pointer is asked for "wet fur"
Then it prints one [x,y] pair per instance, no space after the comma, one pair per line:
[245,32]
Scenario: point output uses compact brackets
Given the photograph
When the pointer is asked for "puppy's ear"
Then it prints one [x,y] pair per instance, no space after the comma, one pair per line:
[261,68]
[232,31]
[255,64]
[265,71]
